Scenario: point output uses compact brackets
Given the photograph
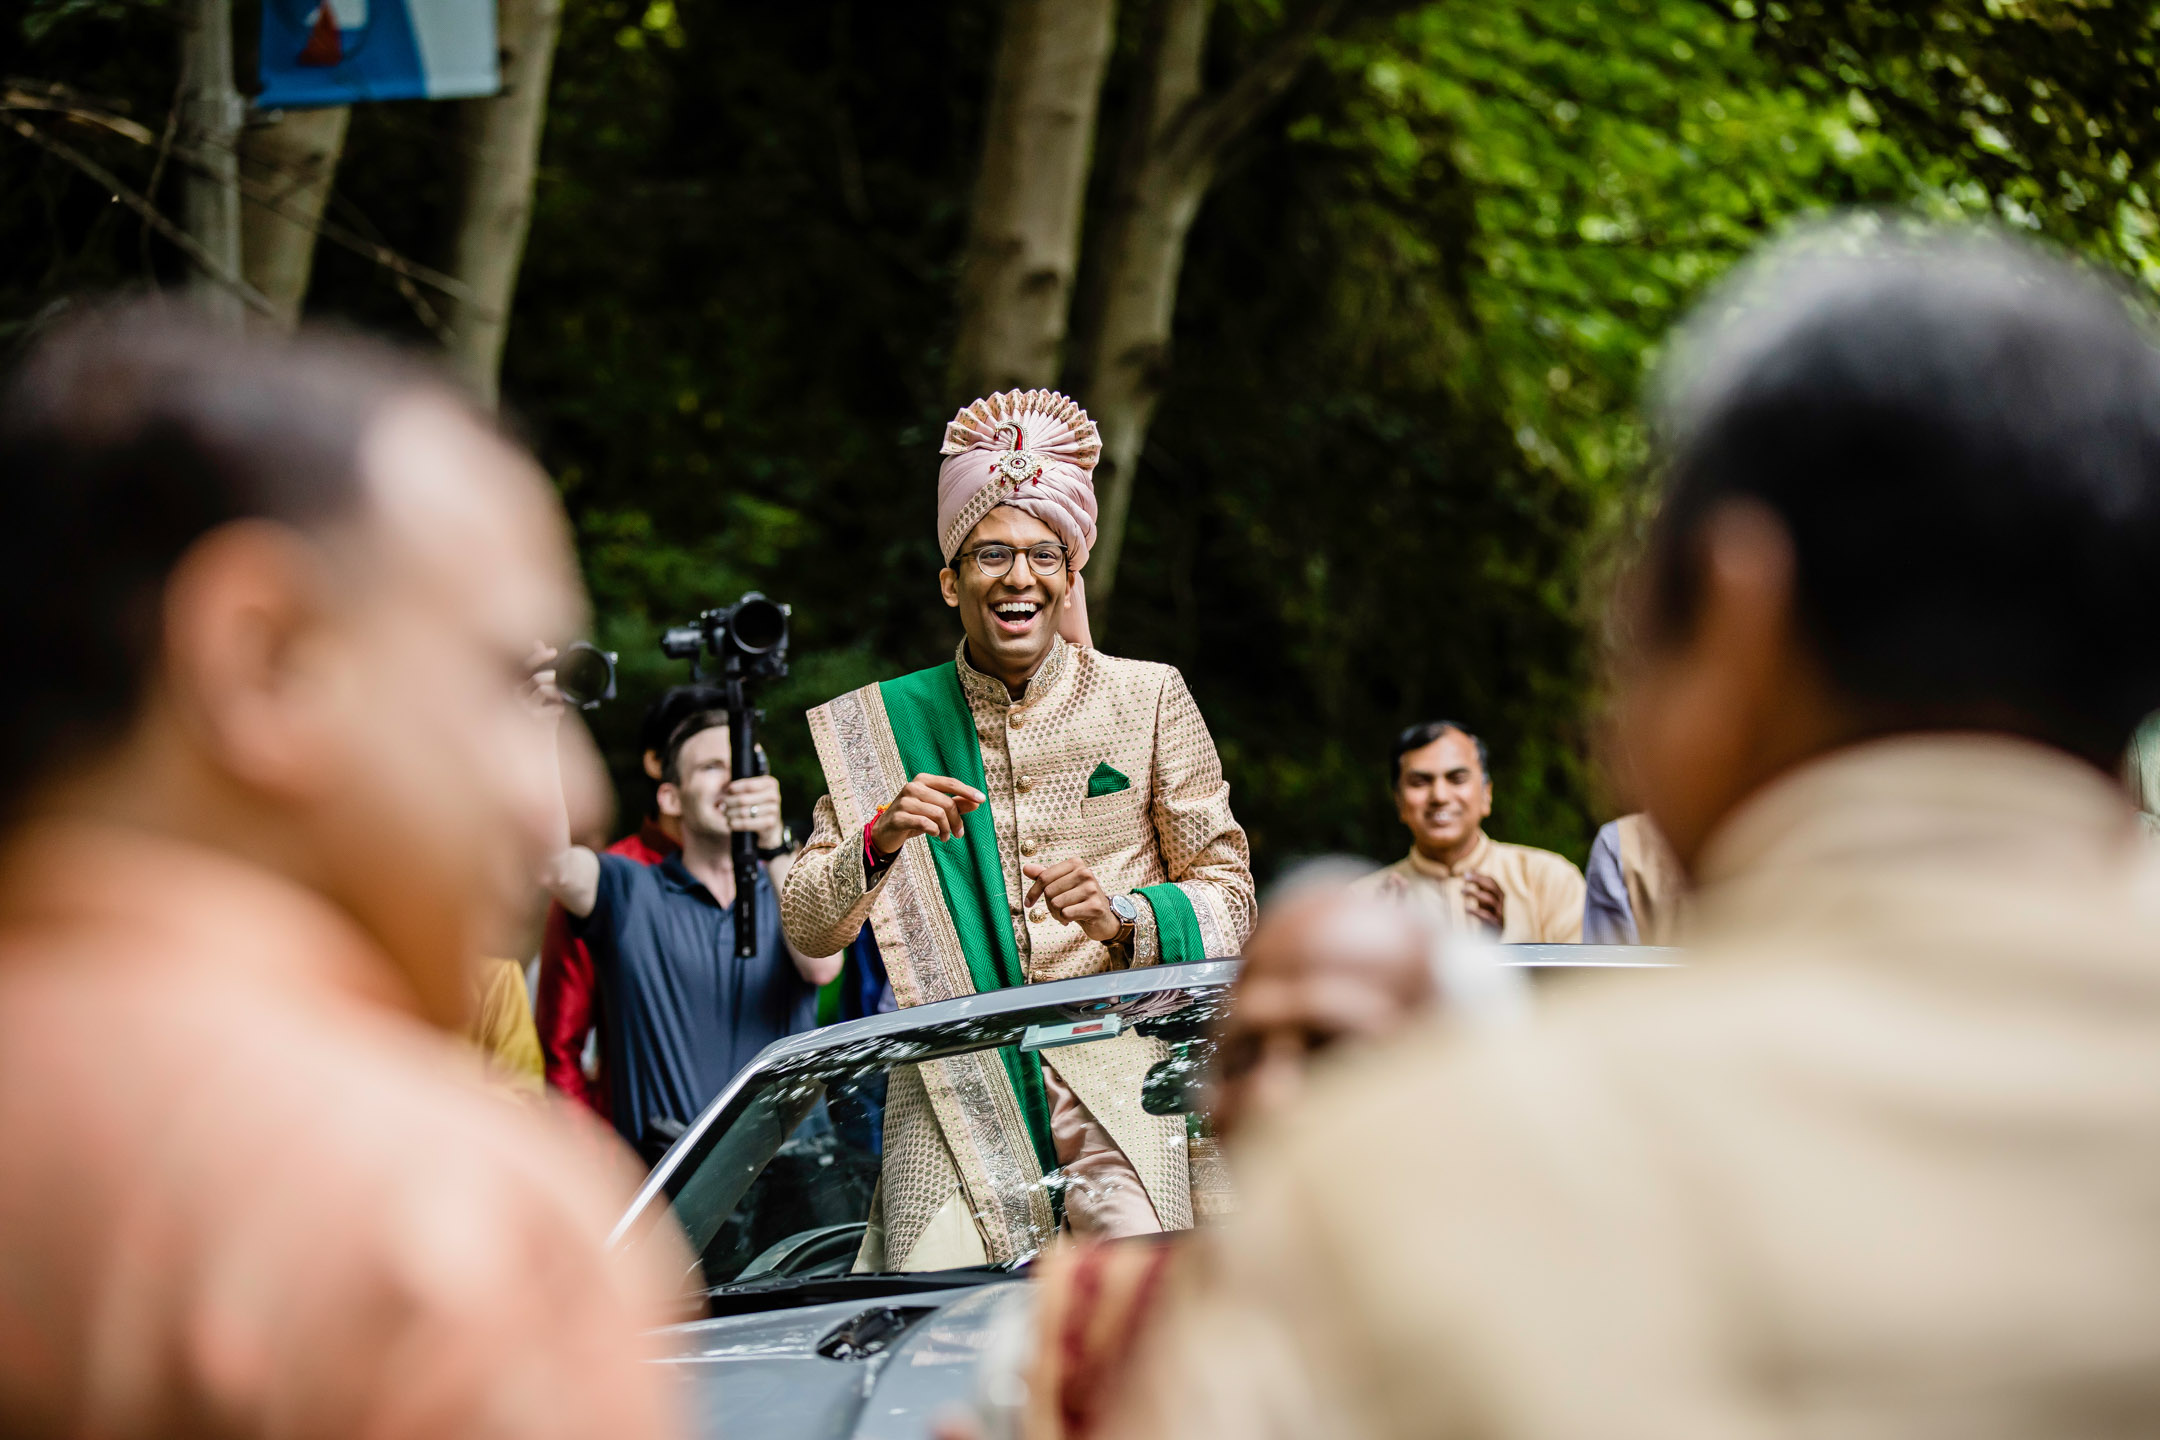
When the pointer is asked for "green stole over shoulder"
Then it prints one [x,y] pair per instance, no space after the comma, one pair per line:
[934,732]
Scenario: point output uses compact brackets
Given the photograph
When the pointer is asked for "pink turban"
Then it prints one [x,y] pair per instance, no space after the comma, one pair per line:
[1034,450]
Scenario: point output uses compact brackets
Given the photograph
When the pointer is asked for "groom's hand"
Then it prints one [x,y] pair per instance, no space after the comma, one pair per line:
[1075,896]
[927,805]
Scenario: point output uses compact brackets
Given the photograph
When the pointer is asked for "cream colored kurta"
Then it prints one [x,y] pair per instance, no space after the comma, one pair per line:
[1884,1161]
[1544,892]
[1657,888]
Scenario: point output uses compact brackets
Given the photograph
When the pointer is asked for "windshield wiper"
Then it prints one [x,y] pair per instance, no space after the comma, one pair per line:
[774,1292]
[916,1279]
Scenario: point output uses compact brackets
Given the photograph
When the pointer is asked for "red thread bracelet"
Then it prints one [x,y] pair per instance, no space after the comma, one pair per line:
[871,858]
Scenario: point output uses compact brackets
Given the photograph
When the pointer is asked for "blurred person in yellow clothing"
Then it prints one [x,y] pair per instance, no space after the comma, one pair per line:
[1883,1159]
[502,1029]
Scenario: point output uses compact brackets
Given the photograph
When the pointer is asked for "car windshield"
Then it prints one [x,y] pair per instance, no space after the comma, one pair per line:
[958,1146]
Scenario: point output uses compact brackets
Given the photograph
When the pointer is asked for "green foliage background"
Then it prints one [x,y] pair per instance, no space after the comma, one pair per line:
[1400,449]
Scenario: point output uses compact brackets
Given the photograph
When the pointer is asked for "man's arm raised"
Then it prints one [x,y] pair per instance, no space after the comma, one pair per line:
[824,895]
[827,892]
[571,873]
[572,876]
[814,969]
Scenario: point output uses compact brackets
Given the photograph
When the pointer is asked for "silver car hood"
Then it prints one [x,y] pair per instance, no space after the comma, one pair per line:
[761,1376]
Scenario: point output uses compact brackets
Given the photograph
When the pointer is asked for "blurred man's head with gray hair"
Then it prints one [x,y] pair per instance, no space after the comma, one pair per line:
[1947,448]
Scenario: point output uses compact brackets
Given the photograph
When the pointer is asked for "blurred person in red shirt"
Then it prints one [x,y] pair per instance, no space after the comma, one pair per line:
[566,1002]
[271,783]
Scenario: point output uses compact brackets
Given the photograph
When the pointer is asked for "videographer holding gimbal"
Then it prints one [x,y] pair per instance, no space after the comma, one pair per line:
[683,1009]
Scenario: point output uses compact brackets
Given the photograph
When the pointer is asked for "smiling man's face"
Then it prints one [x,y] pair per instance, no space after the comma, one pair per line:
[1443,795]
[1012,619]
[696,795]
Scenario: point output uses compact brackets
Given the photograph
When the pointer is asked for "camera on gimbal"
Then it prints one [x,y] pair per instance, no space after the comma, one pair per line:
[747,640]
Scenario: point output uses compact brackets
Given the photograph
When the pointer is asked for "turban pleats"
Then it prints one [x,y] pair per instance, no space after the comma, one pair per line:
[1034,450]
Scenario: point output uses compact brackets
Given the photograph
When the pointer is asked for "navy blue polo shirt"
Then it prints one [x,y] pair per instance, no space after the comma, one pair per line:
[683,1014]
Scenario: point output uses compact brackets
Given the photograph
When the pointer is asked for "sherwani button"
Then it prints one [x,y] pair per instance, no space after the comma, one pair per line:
[1028,847]
[1038,914]
[1016,719]
[1024,784]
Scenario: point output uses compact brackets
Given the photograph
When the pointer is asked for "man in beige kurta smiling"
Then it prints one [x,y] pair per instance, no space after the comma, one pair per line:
[1459,876]
[1031,810]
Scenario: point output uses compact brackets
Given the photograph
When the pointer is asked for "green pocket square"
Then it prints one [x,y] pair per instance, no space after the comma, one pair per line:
[1106,781]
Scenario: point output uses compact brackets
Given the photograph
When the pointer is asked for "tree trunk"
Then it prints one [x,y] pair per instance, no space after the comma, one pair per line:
[210,115]
[1024,232]
[1134,352]
[290,160]
[1143,240]
[502,154]
[1174,144]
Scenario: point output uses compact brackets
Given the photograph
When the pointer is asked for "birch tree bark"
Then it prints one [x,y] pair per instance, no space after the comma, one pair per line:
[290,160]
[1024,230]
[210,115]
[502,155]
[1173,142]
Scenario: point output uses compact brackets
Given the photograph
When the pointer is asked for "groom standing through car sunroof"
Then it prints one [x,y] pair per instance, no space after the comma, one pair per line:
[1031,810]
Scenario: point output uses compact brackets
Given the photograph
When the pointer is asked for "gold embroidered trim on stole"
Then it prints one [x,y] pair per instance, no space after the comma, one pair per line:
[969,1095]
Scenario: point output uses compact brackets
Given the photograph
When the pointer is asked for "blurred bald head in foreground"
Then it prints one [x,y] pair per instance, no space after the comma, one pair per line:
[1883,1159]
[269,787]
[1327,967]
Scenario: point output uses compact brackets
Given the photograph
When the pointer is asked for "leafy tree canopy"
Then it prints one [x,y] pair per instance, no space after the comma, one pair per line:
[1399,447]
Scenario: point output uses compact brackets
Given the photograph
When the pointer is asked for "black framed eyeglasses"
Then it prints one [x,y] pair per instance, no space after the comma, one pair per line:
[994,560]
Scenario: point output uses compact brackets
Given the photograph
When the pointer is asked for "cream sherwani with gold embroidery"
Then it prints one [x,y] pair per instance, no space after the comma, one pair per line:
[955,1144]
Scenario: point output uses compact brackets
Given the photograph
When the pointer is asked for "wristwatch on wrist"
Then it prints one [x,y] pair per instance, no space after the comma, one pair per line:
[785,847]
[1128,914]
